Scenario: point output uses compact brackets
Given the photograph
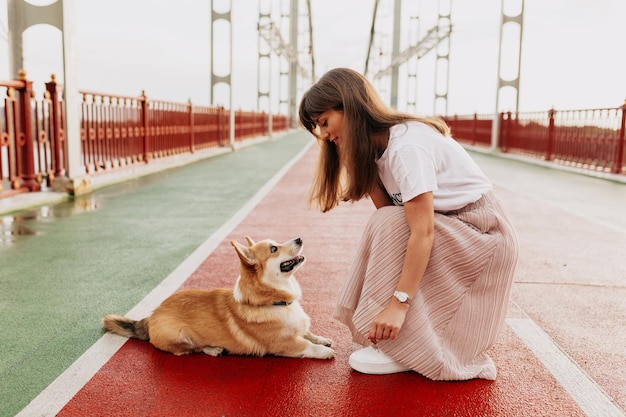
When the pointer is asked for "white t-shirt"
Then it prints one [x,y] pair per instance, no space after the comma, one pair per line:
[419,159]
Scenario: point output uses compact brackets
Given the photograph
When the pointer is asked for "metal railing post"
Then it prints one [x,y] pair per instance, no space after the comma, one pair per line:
[191,127]
[26,153]
[551,133]
[619,158]
[502,137]
[474,128]
[57,132]
[145,126]
[220,124]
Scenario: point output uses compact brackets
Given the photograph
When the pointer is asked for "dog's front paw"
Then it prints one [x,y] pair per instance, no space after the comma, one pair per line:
[326,342]
[326,352]
[319,352]
[213,351]
[318,340]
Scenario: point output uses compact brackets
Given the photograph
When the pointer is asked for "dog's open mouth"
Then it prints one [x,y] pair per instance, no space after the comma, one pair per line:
[291,264]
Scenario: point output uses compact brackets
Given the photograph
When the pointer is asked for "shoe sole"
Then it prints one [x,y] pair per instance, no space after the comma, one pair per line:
[382,369]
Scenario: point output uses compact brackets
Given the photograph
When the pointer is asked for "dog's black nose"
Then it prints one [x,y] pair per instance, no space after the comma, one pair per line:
[298,241]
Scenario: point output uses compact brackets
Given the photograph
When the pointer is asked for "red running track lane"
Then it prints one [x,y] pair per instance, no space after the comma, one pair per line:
[139,380]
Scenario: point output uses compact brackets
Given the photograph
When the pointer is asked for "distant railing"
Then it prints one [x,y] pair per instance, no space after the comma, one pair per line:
[115,132]
[591,139]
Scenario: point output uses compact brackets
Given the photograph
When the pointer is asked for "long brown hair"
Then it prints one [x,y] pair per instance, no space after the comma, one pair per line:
[349,173]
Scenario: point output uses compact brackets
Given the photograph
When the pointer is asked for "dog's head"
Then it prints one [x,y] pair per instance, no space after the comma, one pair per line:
[267,271]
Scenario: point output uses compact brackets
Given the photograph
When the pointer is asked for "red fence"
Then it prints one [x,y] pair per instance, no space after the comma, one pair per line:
[589,139]
[21,138]
[119,131]
[115,132]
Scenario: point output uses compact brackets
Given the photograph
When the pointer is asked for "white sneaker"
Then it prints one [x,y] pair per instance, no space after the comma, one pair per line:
[371,360]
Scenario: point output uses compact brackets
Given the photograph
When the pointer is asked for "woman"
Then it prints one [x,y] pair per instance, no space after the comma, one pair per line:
[429,288]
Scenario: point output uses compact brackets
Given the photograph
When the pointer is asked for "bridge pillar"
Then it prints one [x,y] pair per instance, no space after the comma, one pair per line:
[293,64]
[442,62]
[508,20]
[264,93]
[60,14]
[226,79]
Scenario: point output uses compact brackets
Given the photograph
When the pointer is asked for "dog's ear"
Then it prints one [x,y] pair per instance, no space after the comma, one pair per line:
[245,254]
[249,240]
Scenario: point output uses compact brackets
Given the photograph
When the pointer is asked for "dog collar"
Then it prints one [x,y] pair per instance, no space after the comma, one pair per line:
[280,303]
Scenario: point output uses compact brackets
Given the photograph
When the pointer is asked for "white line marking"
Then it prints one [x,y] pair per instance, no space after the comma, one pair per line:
[52,399]
[587,394]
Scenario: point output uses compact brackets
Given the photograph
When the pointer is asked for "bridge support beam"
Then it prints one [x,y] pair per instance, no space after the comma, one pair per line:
[508,20]
[60,14]
[226,79]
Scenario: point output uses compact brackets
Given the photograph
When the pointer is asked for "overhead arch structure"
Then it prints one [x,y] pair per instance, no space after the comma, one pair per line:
[386,30]
[285,43]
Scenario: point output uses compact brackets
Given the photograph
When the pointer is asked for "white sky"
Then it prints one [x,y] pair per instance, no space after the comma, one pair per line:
[572,56]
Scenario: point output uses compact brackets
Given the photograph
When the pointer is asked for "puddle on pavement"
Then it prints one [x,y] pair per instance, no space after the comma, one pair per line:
[28,223]
[16,227]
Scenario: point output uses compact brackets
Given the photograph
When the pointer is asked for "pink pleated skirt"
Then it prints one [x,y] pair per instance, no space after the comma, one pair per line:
[462,300]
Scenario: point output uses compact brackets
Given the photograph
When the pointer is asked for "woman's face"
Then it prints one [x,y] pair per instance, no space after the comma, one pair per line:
[330,124]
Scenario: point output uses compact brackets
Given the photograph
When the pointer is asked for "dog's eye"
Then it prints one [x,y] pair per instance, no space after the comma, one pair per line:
[273,249]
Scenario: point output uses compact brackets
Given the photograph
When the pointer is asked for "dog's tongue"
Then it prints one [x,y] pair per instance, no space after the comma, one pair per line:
[290,264]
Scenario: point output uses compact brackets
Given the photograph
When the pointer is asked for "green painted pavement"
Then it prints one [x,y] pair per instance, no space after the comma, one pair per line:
[67,265]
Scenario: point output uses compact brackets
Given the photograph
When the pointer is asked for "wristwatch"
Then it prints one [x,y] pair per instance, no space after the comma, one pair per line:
[402,297]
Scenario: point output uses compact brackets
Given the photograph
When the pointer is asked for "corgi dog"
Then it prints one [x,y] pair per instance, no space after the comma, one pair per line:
[260,316]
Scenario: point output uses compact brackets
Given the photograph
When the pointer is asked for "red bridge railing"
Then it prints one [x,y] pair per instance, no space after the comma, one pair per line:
[119,131]
[590,139]
[115,132]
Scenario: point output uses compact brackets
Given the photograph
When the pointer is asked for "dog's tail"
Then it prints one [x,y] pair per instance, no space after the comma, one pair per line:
[126,327]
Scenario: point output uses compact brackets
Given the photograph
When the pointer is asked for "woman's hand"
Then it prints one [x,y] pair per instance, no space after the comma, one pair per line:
[387,323]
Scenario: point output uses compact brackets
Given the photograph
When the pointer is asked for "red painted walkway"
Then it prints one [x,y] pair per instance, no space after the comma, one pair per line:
[142,381]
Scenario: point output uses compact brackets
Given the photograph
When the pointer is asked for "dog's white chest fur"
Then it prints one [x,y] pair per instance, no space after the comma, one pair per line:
[295,316]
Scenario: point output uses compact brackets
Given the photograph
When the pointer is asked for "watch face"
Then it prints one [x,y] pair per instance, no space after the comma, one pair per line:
[401,296]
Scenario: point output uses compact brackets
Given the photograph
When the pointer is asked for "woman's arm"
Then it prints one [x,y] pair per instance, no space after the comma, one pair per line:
[420,216]
[379,196]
